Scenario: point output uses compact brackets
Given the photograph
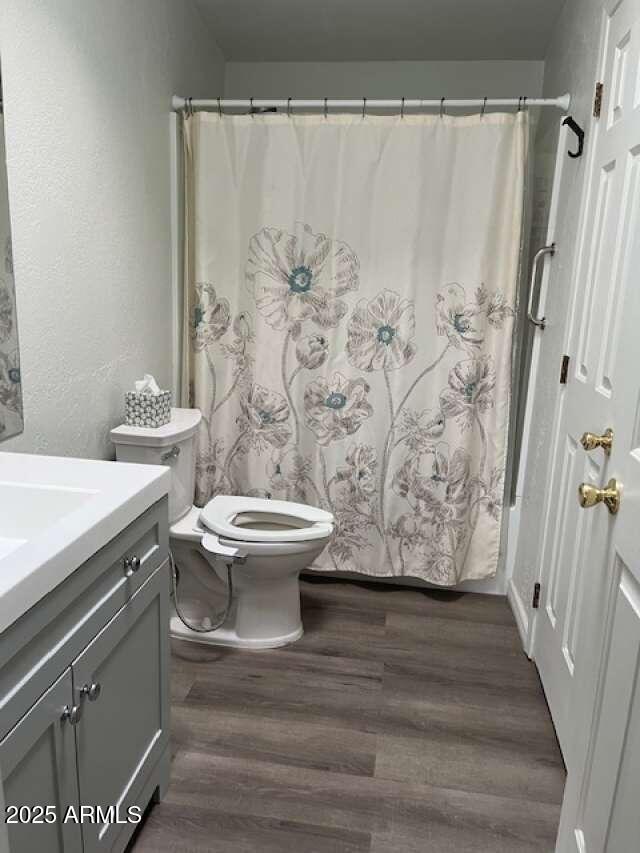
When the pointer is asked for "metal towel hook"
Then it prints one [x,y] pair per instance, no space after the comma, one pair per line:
[442,107]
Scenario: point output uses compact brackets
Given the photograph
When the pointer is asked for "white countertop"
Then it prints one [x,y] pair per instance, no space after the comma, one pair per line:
[56,512]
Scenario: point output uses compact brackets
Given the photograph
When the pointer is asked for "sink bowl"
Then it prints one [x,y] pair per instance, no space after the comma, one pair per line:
[56,512]
[29,509]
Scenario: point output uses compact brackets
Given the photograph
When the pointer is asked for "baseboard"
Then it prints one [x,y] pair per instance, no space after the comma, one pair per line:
[520,613]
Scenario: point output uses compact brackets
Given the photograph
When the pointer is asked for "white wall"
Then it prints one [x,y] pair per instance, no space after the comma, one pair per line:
[87,85]
[382,79]
[571,65]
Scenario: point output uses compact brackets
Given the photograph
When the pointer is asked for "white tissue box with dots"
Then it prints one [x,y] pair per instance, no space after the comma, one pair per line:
[141,408]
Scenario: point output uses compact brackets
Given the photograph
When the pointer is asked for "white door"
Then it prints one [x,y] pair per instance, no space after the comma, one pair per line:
[587,638]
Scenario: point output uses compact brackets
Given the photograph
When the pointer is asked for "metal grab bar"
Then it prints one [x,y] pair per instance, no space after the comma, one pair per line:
[540,322]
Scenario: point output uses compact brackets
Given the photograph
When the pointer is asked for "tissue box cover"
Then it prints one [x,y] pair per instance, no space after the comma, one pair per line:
[147,410]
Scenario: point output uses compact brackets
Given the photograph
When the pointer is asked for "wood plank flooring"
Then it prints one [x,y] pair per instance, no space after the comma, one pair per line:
[403,721]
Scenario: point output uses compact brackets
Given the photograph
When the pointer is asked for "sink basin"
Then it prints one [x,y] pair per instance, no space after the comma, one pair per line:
[27,510]
[57,512]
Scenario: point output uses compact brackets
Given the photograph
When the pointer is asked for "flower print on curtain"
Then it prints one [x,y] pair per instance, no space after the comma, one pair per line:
[350,345]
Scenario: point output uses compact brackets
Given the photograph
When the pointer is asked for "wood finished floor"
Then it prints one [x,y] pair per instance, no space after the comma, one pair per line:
[402,721]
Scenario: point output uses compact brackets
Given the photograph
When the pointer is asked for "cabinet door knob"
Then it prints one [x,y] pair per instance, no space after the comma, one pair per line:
[91,691]
[131,565]
[72,714]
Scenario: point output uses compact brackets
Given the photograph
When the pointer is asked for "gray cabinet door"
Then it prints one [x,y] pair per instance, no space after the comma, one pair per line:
[124,730]
[38,769]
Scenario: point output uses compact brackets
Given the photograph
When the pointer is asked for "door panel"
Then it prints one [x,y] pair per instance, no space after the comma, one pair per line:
[602,746]
[609,819]
[125,729]
[576,541]
[38,768]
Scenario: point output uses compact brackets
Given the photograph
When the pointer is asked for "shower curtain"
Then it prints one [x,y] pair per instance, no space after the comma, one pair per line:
[350,287]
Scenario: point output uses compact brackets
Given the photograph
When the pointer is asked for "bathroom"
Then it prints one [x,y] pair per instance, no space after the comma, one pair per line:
[365,578]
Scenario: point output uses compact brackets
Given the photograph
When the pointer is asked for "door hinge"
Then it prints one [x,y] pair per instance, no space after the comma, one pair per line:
[597,100]
[535,603]
[564,369]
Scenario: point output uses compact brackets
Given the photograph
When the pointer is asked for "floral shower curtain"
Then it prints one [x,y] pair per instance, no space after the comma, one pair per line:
[350,297]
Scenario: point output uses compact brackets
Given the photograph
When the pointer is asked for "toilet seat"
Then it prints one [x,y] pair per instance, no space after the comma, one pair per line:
[302,523]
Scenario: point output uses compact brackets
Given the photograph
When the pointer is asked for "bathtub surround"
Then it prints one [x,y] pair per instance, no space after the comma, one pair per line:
[86,92]
[350,347]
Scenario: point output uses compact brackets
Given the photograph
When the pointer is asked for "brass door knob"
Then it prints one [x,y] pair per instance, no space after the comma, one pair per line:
[590,441]
[589,496]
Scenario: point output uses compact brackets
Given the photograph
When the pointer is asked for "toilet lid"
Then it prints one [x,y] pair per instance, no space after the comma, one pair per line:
[265,520]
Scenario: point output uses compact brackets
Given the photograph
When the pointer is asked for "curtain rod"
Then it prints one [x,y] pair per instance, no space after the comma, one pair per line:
[178,103]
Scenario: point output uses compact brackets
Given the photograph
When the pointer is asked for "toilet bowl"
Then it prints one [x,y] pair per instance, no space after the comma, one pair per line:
[264,544]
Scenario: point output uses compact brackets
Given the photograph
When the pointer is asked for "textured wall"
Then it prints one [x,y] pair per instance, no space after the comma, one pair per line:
[571,66]
[86,88]
[382,79]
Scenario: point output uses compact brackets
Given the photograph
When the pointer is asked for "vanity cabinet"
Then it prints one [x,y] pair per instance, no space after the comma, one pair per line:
[94,742]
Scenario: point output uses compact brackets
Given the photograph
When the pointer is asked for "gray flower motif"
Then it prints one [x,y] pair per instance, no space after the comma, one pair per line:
[312,351]
[10,387]
[435,486]
[210,317]
[455,317]
[8,256]
[265,416]
[6,312]
[498,309]
[336,407]
[287,470]
[301,276]
[470,385]
[380,332]
[360,470]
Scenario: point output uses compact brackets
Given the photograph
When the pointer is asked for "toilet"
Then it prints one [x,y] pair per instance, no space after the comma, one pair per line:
[264,545]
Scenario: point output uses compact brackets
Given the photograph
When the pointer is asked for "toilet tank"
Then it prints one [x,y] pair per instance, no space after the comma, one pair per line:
[172,444]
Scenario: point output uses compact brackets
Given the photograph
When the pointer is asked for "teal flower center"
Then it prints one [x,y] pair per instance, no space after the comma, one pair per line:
[265,417]
[386,334]
[14,375]
[198,315]
[300,279]
[461,323]
[335,400]
[469,390]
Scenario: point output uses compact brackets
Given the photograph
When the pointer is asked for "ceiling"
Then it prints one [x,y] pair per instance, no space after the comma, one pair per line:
[360,30]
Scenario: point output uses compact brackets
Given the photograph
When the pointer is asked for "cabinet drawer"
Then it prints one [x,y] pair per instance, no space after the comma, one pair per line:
[38,647]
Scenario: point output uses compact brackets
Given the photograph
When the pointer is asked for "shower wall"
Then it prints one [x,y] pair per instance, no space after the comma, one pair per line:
[383,79]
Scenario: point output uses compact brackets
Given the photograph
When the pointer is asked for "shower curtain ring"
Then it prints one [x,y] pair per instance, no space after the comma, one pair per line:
[364,107]
[251,107]
[442,107]
[219,108]
[524,102]
[326,110]
[484,107]
[519,103]
[402,108]
[289,107]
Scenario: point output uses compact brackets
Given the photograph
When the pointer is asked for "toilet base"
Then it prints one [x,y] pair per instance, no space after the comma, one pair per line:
[228,637]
